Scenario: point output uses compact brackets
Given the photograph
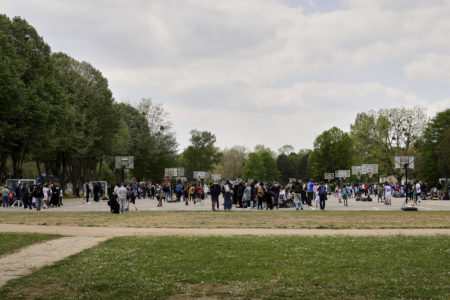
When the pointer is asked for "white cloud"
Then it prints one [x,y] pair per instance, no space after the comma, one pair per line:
[431,66]
[257,71]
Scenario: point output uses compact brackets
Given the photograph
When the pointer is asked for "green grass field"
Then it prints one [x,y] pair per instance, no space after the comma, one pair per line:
[247,268]
[11,242]
[253,219]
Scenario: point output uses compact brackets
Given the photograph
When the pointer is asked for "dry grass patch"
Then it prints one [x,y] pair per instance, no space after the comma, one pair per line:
[247,219]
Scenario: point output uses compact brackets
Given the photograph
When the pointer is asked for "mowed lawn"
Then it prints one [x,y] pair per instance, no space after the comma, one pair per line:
[242,219]
[247,267]
[11,242]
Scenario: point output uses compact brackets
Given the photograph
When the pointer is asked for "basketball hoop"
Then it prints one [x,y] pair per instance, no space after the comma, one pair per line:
[370,173]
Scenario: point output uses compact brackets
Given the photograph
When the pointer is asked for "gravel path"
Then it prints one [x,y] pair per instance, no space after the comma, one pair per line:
[110,232]
[28,259]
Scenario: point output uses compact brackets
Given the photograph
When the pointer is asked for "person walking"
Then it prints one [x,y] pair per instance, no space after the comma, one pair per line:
[297,187]
[38,194]
[310,191]
[323,195]
[275,189]
[87,191]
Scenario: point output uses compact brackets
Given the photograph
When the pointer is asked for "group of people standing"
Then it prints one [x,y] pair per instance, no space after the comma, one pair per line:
[30,196]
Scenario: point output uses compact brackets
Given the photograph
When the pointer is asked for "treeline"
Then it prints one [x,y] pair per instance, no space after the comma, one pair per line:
[59,114]
[375,137]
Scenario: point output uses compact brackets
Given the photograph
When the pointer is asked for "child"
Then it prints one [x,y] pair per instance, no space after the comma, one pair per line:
[380,193]
[339,193]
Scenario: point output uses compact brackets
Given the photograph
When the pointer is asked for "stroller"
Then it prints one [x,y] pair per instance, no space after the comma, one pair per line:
[113,205]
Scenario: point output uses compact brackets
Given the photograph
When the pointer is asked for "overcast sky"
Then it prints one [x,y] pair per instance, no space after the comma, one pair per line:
[257,72]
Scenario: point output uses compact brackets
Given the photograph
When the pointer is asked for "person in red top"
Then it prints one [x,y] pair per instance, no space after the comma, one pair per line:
[199,194]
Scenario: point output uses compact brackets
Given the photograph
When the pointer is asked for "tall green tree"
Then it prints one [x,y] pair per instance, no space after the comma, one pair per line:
[202,154]
[332,151]
[261,166]
[26,68]
[434,148]
[85,134]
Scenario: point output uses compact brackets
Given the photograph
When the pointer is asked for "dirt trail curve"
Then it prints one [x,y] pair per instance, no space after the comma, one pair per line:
[29,259]
[110,232]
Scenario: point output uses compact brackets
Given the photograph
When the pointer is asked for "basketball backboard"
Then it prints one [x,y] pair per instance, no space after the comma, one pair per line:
[126,162]
[401,161]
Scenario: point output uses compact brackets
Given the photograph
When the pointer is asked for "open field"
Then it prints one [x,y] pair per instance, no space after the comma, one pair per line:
[246,268]
[243,219]
[11,242]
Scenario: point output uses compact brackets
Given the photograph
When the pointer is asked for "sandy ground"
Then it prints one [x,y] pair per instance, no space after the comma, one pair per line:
[109,232]
[28,259]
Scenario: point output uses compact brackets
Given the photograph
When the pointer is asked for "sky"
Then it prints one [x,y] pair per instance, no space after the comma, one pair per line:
[269,72]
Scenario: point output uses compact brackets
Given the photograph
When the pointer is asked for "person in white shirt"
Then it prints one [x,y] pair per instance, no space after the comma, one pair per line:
[122,197]
[387,193]
[418,192]
[45,190]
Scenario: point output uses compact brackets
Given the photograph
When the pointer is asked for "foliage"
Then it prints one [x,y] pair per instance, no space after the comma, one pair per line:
[201,155]
[261,166]
[60,114]
[232,162]
[332,151]
[380,136]
[293,165]
[85,133]
[163,152]
[26,81]
[434,148]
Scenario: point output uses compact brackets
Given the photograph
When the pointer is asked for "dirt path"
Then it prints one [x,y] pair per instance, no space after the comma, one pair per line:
[28,259]
[125,231]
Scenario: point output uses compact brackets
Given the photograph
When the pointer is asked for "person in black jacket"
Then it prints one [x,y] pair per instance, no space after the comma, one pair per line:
[215,193]
[275,189]
[298,188]
[96,191]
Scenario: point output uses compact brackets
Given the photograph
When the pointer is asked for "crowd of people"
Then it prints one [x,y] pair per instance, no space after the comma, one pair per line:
[250,195]
[33,196]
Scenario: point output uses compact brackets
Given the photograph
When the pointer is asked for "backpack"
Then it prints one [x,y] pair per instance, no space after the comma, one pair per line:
[227,188]
[260,191]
